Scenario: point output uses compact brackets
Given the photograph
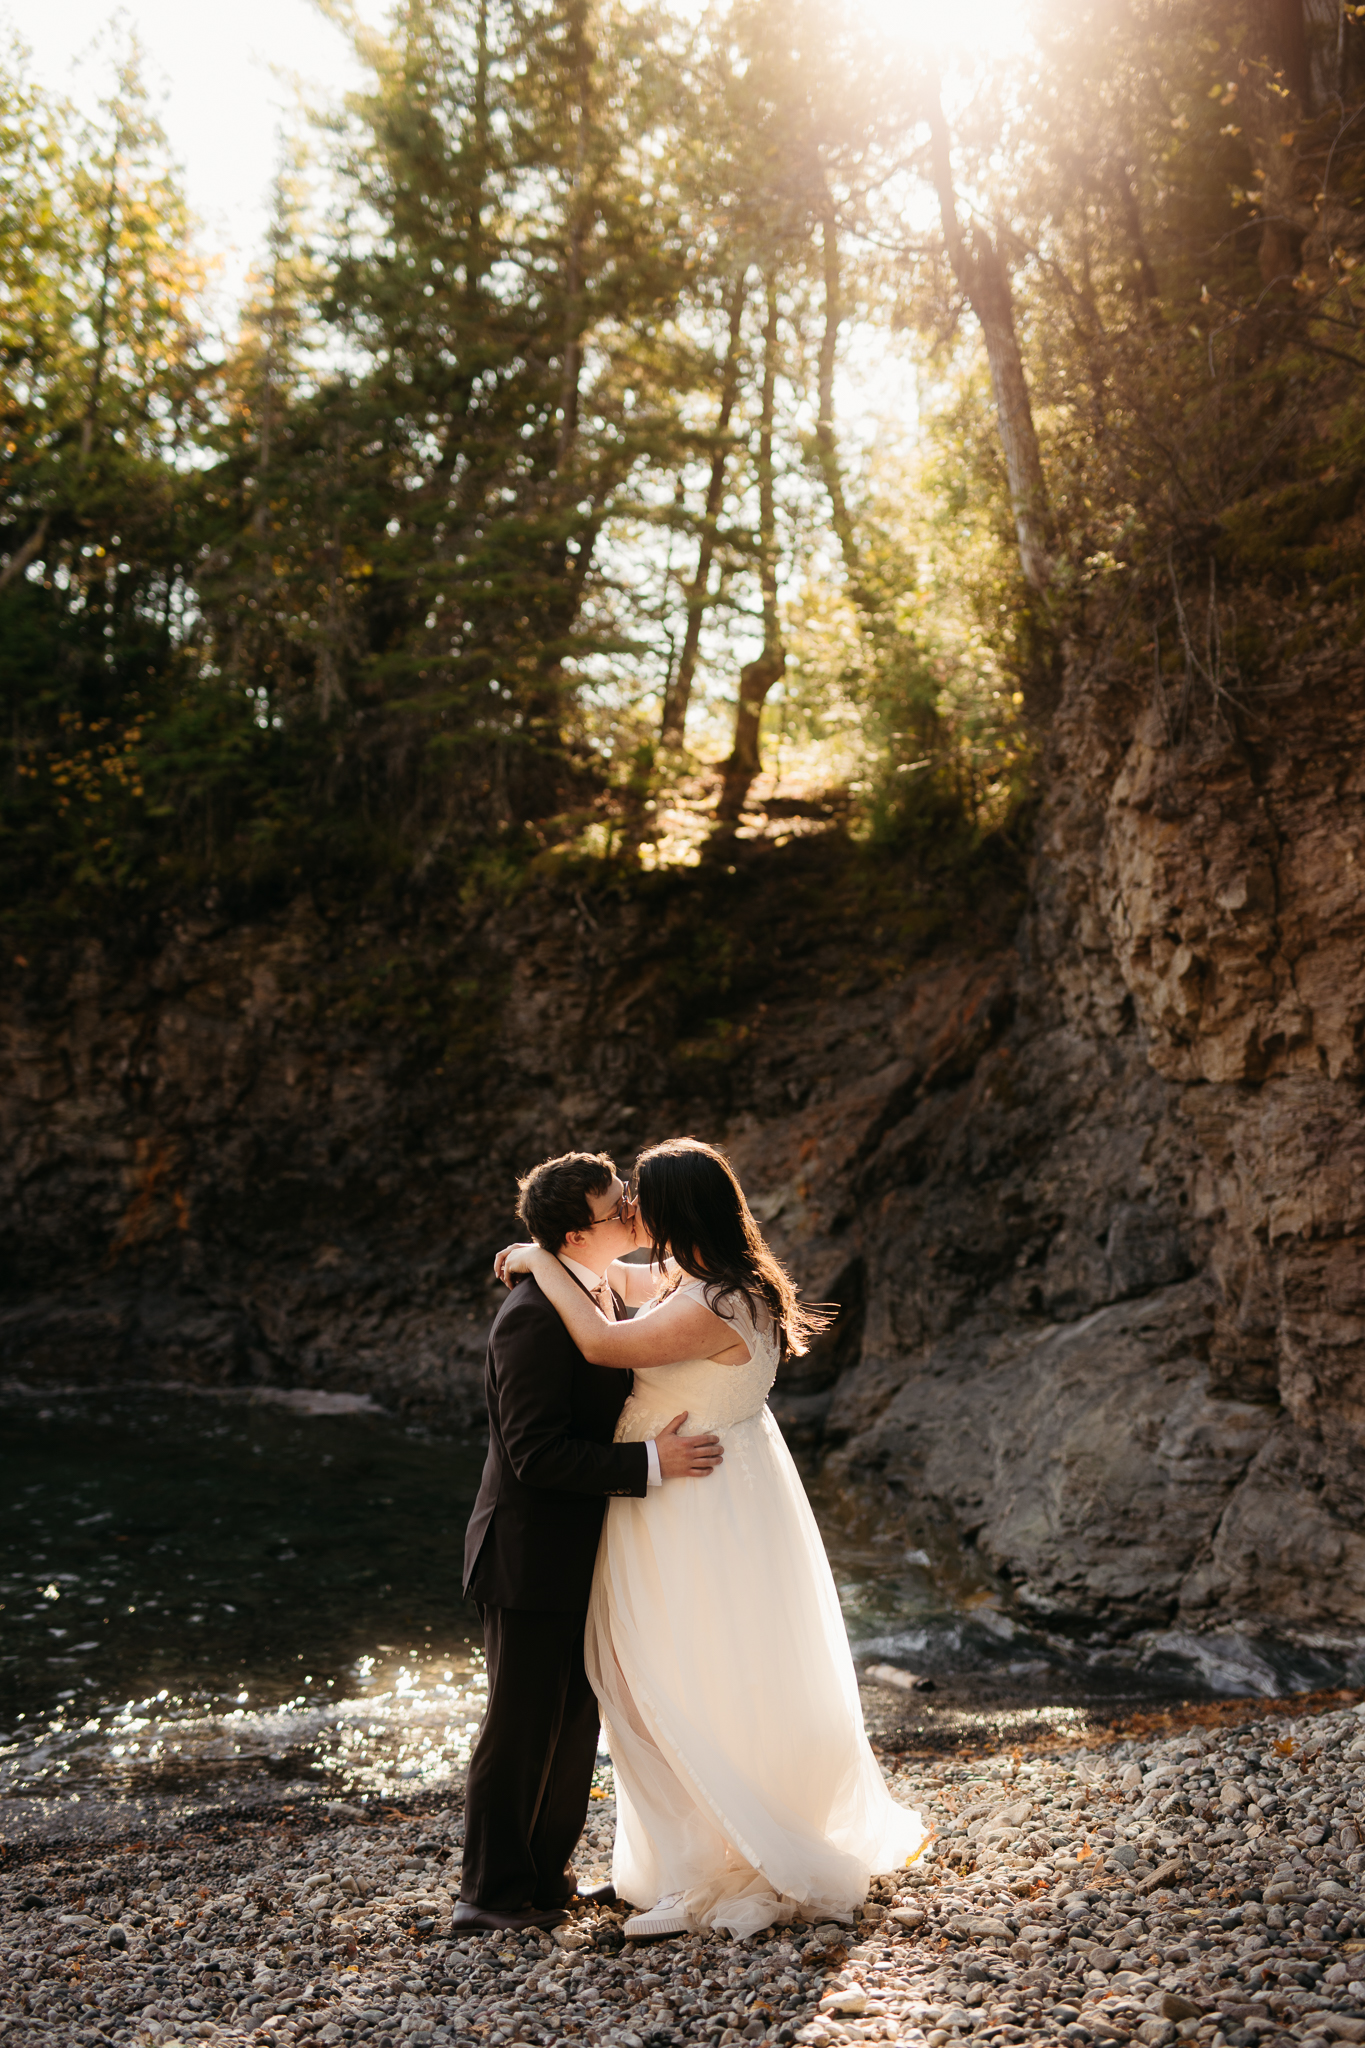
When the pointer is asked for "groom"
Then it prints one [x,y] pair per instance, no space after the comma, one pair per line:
[530,1547]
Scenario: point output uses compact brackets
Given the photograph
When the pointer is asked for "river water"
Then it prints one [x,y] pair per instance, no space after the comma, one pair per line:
[216,1598]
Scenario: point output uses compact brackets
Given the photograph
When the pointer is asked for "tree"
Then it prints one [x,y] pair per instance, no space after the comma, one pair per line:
[981,270]
[527,449]
[678,690]
[104,384]
[501,284]
[757,677]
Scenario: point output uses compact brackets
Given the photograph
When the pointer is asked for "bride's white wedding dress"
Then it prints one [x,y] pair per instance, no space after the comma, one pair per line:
[715,1644]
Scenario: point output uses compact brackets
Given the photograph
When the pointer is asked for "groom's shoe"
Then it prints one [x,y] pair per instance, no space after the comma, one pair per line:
[482,1920]
[589,1895]
[667,1918]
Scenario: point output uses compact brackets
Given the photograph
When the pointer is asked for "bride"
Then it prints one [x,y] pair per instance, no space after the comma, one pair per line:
[746,1792]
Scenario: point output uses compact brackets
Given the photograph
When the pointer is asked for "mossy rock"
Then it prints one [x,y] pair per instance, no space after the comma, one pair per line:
[1285,538]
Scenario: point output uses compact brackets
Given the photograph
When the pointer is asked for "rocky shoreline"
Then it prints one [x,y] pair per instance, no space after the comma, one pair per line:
[1201,1883]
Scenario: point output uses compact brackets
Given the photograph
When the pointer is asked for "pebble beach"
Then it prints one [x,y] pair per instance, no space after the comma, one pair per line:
[1196,1883]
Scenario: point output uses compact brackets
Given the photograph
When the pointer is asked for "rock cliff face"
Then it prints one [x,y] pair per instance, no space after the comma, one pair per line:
[1180,1095]
[1087,1185]
[286,1149]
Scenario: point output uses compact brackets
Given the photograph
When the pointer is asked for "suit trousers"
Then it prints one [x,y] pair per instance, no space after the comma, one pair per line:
[526,1797]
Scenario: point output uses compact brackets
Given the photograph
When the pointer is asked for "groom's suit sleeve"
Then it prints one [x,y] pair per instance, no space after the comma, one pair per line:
[535,1363]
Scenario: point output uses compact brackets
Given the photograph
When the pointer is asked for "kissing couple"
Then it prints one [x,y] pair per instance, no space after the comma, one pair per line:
[675,1585]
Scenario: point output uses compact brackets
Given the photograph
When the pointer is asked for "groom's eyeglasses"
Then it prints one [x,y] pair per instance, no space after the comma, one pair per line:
[620,1212]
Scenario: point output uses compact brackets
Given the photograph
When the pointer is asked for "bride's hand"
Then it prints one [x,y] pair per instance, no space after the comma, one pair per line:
[512,1261]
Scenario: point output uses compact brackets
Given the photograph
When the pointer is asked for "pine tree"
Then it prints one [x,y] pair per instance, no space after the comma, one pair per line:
[103,387]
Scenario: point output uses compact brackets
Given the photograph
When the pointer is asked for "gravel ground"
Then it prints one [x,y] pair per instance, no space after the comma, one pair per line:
[1205,1886]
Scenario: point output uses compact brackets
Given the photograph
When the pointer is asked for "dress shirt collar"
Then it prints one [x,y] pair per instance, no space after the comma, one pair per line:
[584,1275]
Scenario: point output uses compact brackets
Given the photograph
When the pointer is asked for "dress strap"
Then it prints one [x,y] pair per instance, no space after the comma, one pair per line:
[731,1308]
[727,1304]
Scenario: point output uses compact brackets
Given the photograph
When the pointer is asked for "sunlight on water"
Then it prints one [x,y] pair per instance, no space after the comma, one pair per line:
[401,1723]
[216,1598]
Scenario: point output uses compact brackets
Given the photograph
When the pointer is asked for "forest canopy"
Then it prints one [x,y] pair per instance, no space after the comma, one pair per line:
[518,500]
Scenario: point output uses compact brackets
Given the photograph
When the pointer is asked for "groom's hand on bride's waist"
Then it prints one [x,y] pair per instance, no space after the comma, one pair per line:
[686,1457]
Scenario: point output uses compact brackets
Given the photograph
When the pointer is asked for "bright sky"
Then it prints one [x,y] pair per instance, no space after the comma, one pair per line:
[230,77]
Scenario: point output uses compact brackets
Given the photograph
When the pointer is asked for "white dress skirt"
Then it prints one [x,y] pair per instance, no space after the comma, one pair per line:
[716,1647]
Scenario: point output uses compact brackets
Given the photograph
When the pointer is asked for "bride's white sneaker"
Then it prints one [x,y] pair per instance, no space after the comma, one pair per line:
[667,1917]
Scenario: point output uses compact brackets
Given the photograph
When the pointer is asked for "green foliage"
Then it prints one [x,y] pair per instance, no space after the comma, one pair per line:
[102,391]
[389,594]
[1186,205]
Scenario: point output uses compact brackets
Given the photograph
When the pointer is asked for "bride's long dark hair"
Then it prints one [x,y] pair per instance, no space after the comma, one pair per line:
[693,1210]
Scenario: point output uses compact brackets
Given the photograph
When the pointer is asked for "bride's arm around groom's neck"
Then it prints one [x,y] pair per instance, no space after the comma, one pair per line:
[637,1284]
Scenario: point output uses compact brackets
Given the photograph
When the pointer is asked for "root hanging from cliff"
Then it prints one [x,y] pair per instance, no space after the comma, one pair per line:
[1210,672]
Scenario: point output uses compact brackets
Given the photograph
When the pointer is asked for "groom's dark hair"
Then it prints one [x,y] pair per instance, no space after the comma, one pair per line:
[552,1199]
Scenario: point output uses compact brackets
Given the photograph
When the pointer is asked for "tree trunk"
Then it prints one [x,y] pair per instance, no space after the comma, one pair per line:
[1300,38]
[679,691]
[332,647]
[826,442]
[475,262]
[23,555]
[1287,47]
[474,160]
[580,217]
[994,308]
[100,320]
[270,361]
[542,702]
[826,447]
[1143,275]
[982,274]
[757,677]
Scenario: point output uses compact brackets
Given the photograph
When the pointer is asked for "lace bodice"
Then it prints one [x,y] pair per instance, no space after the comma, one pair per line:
[714,1396]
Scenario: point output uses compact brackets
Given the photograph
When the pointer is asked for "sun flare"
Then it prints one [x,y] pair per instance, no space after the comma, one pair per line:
[995,25]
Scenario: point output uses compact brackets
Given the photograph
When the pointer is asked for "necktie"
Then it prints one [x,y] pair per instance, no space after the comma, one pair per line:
[601,1294]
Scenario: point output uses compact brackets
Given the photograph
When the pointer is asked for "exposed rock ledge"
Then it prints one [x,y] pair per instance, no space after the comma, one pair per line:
[1181,1094]
[1092,1202]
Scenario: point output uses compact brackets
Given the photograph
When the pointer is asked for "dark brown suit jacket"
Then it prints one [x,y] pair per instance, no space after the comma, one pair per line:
[532,1538]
